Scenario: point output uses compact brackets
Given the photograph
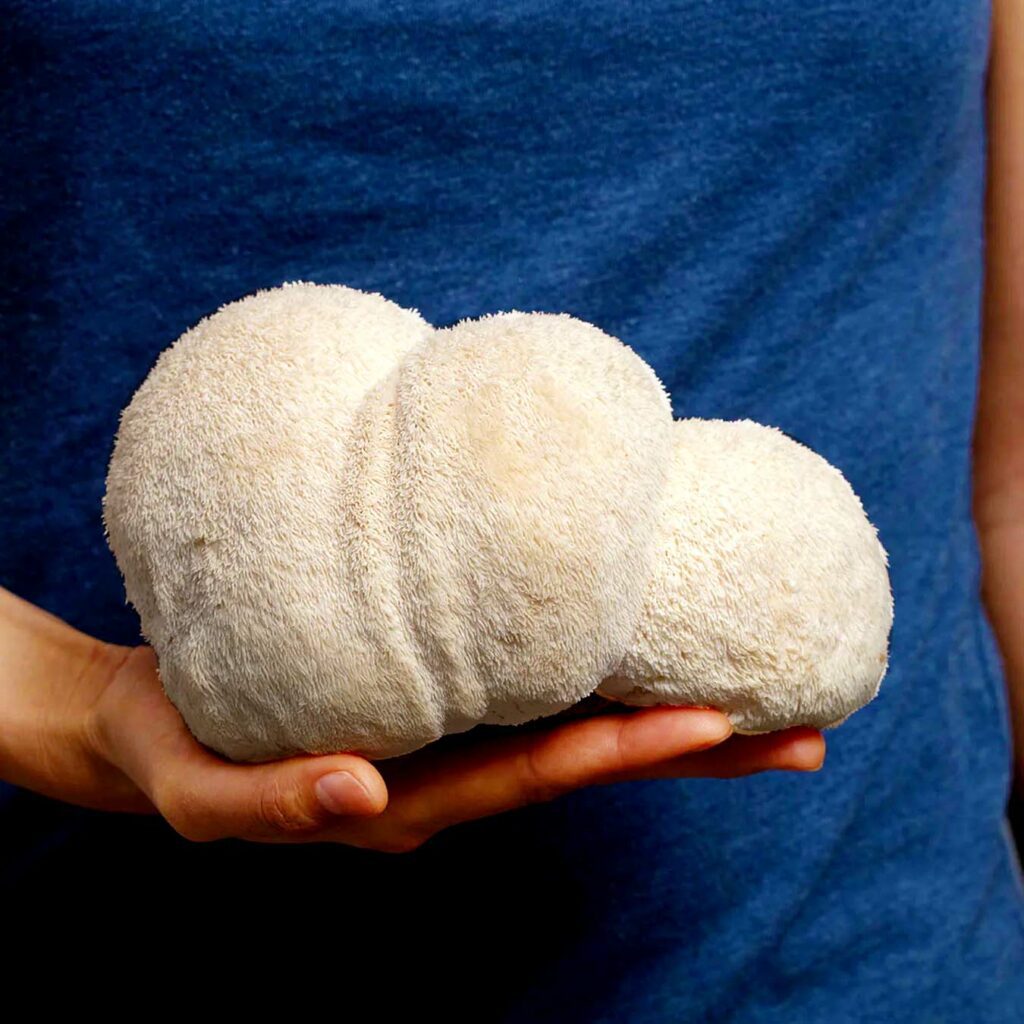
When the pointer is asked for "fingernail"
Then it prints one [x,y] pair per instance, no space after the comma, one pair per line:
[342,793]
[819,765]
[711,726]
[696,729]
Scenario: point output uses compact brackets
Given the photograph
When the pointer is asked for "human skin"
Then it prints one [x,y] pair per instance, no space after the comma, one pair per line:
[87,722]
[999,429]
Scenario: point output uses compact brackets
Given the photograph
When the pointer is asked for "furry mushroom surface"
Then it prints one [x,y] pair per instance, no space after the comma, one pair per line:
[769,596]
[345,530]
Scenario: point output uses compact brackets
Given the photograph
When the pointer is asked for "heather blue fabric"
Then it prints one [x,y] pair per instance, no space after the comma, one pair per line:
[778,204]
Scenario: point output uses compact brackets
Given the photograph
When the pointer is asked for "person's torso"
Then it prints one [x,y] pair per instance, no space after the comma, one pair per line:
[779,206]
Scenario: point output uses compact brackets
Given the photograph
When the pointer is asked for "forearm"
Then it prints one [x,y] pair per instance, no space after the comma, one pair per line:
[1002,548]
[51,676]
[999,432]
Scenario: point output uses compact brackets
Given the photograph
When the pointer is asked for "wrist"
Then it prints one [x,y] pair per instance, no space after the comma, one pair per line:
[51,679]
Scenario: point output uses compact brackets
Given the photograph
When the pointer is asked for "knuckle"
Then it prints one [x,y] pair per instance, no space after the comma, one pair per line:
[398,835]
[537,784]
[179,811]
[193,832]
[402,842]
[622,747]
[280,811]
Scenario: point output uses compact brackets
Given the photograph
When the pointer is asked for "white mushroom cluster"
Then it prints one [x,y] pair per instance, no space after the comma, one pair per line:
[346,530]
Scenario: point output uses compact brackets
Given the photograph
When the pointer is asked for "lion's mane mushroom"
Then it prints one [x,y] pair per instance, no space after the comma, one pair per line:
[346,530]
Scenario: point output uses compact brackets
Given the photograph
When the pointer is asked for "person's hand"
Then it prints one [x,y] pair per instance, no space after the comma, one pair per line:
[397,804]
[89,723]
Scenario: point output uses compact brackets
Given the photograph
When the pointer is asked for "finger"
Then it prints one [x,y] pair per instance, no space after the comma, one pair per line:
[284,801]
[797,749]
[205,797]
[437,789]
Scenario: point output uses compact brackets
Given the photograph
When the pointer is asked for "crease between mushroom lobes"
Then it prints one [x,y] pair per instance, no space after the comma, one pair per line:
[409,531]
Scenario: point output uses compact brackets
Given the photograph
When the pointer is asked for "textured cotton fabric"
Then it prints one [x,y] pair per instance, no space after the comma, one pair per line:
[779,206]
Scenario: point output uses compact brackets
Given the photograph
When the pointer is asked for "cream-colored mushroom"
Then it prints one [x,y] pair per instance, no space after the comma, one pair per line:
[769,596]
[345,530]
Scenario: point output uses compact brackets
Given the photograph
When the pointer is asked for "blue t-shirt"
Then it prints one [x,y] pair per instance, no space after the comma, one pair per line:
[779,206]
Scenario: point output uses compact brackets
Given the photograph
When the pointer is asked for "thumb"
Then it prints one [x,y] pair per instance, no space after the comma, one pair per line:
[138,730]
[280,801]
